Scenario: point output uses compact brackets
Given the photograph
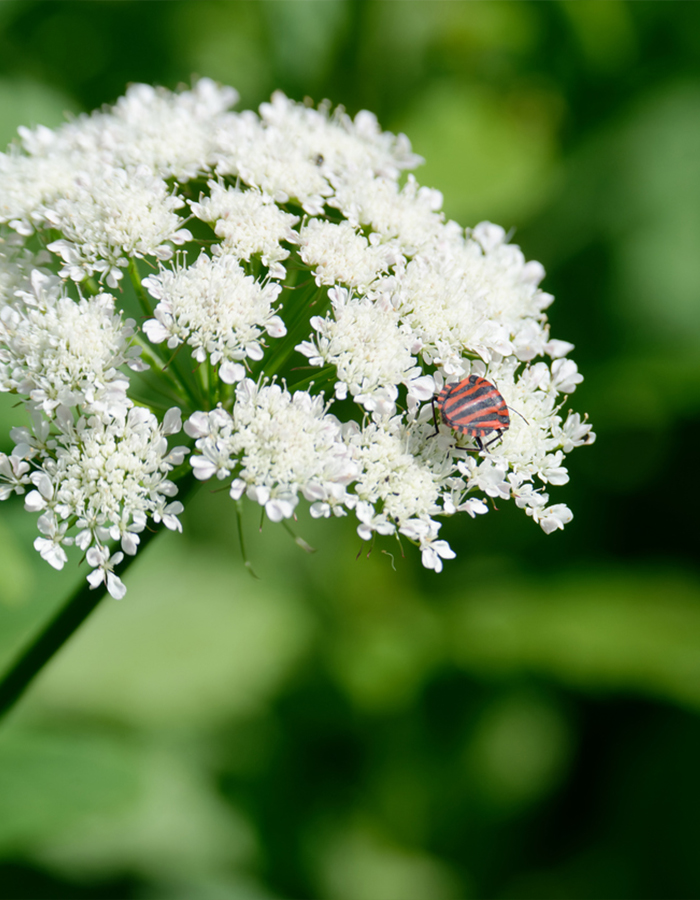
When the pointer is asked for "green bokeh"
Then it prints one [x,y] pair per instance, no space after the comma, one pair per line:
[523,725]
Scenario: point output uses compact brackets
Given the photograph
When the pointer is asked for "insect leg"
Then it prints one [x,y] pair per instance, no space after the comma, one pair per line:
[435,421]
[499,435]
[478,449]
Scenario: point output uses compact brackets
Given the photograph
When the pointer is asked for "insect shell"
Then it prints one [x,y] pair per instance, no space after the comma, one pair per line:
[475,408]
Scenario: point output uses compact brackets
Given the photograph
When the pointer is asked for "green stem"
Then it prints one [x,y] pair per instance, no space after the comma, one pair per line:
[299,309]
[318,376]
[239,516]
[157,363]
[141,295]
[65,622]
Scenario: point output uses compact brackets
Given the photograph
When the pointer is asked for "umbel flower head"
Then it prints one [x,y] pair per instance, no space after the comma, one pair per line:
[277,282]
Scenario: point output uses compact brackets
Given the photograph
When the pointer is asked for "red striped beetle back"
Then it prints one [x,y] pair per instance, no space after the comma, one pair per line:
[473,407]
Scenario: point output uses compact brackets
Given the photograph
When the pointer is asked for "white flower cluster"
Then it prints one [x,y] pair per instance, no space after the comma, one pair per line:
[277,446]
[250,224]
[217,309]
[62,352]
[302,255]
[101,476]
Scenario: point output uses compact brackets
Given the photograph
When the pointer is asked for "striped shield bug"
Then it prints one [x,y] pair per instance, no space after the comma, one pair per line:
[473,407]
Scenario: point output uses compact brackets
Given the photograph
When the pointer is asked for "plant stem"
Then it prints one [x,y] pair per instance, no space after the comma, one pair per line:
[59,629]
[141,295]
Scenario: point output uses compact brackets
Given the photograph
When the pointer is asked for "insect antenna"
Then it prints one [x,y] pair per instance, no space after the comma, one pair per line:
[519,413]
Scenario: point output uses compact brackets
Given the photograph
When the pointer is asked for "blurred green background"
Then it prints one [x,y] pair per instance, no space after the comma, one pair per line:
[525,724]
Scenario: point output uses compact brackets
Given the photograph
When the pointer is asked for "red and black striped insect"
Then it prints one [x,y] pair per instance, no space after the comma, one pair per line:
[475,408]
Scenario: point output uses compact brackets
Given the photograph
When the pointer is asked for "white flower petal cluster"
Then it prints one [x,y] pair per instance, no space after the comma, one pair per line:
[338,143]
[59,352]
[409,215]
[101,477]
[170,135]
[101,180]
[111,216]
[217,309]
[277,445]
[305,233]
[250,223]
[402,483]
[339,255]
[295,152]
[370,348]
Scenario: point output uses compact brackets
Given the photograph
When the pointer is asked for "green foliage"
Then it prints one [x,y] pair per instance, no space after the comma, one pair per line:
[524,724]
